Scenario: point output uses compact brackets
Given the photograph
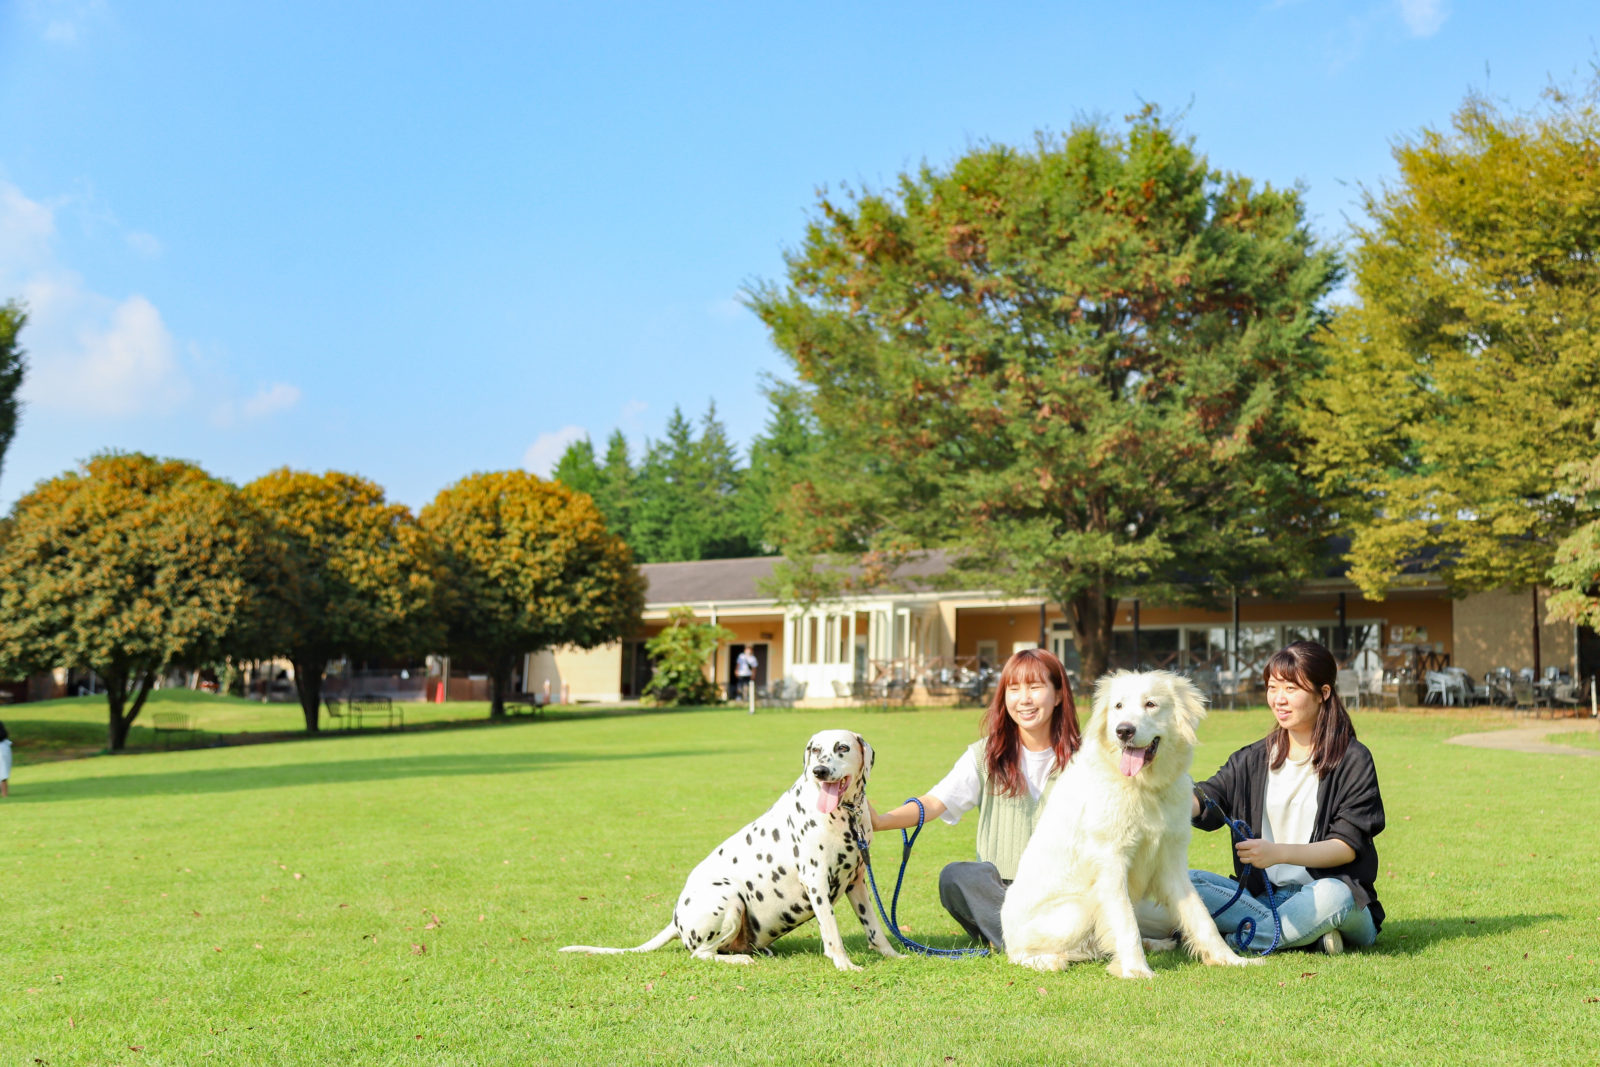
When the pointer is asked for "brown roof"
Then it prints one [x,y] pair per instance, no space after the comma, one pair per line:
[723,580]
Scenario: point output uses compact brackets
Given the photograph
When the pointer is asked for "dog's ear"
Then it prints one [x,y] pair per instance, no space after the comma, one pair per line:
[868,757]
[1190,705]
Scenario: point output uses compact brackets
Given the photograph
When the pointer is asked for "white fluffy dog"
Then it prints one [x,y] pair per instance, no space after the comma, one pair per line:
[1115,831]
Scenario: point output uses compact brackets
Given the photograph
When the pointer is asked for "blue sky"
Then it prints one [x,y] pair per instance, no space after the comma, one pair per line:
[417,241]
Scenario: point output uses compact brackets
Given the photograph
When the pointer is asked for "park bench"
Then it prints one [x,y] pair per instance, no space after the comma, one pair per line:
[369,704]
[170,725]
[527,704]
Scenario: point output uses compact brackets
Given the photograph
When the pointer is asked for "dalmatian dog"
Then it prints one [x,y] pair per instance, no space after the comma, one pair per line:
[783,868]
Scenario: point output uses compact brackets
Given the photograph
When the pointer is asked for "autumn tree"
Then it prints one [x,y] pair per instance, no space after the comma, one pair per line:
[12,319]
[129,567]
[530,566]
[360,576]
[1070,363]
[1467,372]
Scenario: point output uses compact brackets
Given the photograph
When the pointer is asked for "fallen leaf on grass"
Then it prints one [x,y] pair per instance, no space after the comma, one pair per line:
[418,950]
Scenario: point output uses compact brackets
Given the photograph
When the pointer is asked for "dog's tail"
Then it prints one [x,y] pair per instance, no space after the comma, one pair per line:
[651,945]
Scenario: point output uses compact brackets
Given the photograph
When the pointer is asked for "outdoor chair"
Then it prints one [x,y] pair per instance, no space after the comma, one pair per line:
[1347,683]
[336,710]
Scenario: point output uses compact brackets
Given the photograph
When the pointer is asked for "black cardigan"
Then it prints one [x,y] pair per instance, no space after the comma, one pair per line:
[1349,807]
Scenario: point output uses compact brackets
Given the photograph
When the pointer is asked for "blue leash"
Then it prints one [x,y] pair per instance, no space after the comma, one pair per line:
[894,903]
[1246,931]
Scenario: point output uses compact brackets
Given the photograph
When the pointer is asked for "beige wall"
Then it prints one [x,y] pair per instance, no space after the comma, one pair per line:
[1496,630]
[595,674]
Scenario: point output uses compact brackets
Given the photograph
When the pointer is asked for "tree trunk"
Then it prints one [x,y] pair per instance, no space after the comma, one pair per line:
[120,722]
[499,684]
[1092,615]
[308,685]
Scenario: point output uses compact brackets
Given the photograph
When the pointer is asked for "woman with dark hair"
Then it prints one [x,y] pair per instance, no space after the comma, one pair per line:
[1030,731]
[1309,788]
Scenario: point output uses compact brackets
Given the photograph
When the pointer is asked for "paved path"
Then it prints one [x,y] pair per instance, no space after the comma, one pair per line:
[1532,738]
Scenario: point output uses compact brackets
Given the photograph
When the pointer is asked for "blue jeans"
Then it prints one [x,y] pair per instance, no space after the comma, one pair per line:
[1306,911]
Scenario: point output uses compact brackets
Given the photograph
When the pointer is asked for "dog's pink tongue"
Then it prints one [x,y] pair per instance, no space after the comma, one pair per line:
[1133,761]
[828,794]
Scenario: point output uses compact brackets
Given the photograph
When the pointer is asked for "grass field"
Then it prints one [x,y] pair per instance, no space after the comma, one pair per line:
[398,898]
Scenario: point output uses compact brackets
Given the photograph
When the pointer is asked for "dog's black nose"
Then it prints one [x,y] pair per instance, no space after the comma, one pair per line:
[1124,731]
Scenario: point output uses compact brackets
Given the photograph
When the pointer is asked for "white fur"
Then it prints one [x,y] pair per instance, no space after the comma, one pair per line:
[778,871]
[1106,840]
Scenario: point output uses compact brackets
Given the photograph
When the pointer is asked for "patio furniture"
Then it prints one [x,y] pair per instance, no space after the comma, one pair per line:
[1347,684]
[168,725]
[333,707]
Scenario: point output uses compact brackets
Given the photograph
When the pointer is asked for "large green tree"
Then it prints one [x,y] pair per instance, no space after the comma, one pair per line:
[1073,363]
[12,319]
[1468,369]
[129,567]
[359,576]
[530,566]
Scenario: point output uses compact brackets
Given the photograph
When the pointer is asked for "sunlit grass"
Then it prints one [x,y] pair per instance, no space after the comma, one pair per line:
[398,898]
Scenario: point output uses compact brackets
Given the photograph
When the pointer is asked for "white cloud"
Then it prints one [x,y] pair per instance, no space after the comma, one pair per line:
[545,452]
[279,396]
[26,229]
[89,354]
[1424,17]
[147,245]
[64,22]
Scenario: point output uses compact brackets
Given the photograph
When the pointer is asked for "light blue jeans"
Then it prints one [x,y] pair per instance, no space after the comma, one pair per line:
[1306,911]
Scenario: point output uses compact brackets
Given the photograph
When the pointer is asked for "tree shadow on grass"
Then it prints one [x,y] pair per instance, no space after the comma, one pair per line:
[331,772]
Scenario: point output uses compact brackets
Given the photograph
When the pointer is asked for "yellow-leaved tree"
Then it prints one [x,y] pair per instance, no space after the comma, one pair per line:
[530,566]
[1467,374]
[129,567]
[359,576]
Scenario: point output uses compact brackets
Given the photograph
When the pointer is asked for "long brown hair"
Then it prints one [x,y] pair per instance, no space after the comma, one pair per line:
[1311,666]
[1003,737]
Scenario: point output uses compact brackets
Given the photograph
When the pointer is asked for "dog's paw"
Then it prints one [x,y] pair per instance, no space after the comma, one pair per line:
[1045,962]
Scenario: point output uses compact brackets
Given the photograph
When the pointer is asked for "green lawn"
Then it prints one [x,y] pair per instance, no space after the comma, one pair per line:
[398,898]
[1589,738]
[76,726]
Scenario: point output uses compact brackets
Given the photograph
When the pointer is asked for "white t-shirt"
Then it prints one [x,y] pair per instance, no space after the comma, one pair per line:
[961,789]
[1289,815]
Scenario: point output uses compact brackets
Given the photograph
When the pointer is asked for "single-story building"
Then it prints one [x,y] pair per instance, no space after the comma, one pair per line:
[914,632]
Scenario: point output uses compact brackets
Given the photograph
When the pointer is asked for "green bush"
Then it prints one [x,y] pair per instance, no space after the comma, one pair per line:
[679,654]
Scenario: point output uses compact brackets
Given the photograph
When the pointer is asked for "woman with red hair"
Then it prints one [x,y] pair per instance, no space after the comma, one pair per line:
[1030,731]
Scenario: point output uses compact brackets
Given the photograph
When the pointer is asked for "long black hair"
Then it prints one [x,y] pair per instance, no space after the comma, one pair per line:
[1311,666]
